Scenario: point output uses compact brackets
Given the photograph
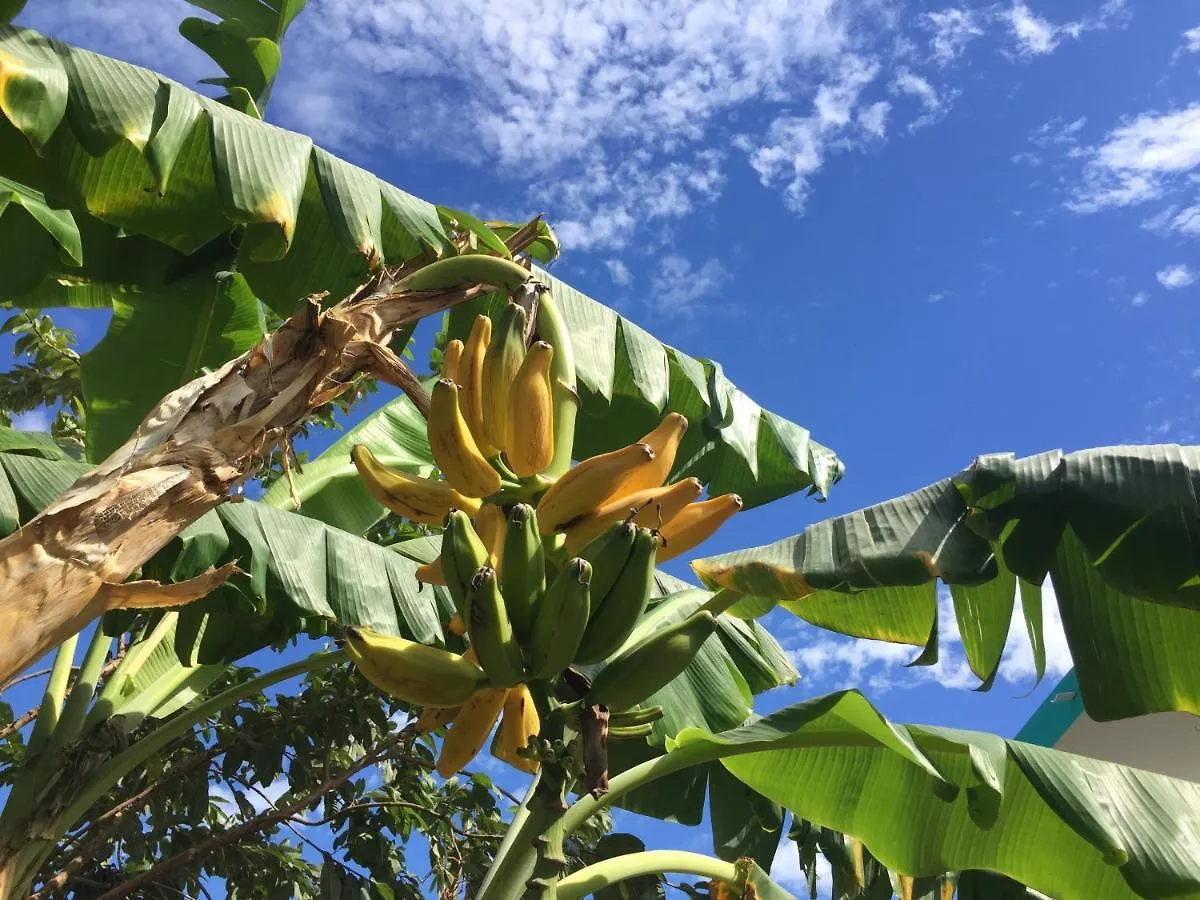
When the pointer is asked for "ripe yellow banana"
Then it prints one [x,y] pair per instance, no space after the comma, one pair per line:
[457,627]
[452,357]
[491,526]
[626,506]
[664,441]
[454,447]
[500,364]
[432,573]
[434,717]
[588,485]
[415,673]
[671,502]
[696,524]
[470,370]
[469,732]
[419,499]
[520,723]
[529,447]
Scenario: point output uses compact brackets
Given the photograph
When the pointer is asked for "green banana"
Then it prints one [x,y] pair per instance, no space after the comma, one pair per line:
[552,330]
[630,732]
[500,365]
[616,614]
[608,555]
[644,715]
[652,663]
[560,620]
[471,268]
[491,632]
[462,555]
[415,673]
[523,576]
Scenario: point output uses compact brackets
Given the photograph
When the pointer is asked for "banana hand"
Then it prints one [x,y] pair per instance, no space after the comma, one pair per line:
[419,499]
[415,673]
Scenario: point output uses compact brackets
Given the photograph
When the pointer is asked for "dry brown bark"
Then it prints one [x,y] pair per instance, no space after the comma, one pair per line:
[69,564]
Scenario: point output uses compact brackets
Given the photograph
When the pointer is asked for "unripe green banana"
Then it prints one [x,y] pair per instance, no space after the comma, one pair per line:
[491,632]
[462,555]
[629,732]
[471,268]
[608,555]
[415,673]
[644,715]
[652,663]
[523,576]
[615,616]
[500,365]
[560,620]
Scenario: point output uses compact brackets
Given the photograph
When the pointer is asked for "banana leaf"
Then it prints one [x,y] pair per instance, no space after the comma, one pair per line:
[1114,529]
[928,800]
[138,159]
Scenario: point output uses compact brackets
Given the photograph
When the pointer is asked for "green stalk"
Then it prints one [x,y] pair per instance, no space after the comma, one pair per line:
[75,711]
[721,601]
[596,877]
[553,330]
[139,652]
[52,699]
[36,851]
[510,864]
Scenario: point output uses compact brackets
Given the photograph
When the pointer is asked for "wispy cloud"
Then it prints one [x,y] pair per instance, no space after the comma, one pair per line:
[952,29]
[1184,221]
[833,662]
[682,291]
[1139,160]
[1175,276]
[1139,299]
[618,272]
[1191,40]
[1038,36]
[935,105]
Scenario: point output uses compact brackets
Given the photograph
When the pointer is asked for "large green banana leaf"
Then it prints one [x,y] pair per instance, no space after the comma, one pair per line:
[164,183]
[1115,529]
[931,800]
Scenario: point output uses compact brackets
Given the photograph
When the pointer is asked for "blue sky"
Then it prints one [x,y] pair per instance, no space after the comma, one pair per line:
[925,232]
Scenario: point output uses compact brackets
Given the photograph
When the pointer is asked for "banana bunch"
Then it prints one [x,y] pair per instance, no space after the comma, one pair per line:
[544,572]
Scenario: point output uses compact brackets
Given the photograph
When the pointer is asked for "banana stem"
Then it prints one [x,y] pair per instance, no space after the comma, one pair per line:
[505,870]
[35,851]
[52,699]
[594,878]
[553,330]
[549,802]
[721,601]
[139,651]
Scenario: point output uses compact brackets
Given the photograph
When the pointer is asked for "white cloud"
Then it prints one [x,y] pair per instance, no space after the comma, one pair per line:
[619,272]
[833,662]
[260,797]
[1175,276]
[1139,160]
[1037,36]
[786,871]
[873,119]
[794,148]
[681,291]
[952,30]
[937,297]
[1191,40]
[1184,221]
[1139,299]
[935,107]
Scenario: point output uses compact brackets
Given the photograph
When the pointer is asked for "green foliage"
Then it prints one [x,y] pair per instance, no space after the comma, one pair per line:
[49,376]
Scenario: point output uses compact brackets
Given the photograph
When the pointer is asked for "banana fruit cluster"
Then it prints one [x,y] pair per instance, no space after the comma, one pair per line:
[544,573]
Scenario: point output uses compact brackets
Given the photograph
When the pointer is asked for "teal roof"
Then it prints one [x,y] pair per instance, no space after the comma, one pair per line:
[1052,719]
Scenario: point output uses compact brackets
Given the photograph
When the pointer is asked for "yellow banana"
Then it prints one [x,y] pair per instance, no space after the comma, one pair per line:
[627,506]
[500,365]
[520,723]
[415,673]
[491,526]
[664,441]
[419,499]
[469,732]
[457,627]
[453,446]
[470,370]
[432,573]
[434,717]
[673,499]
[452,358]
[696,524]
[529,447]
[588,485]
